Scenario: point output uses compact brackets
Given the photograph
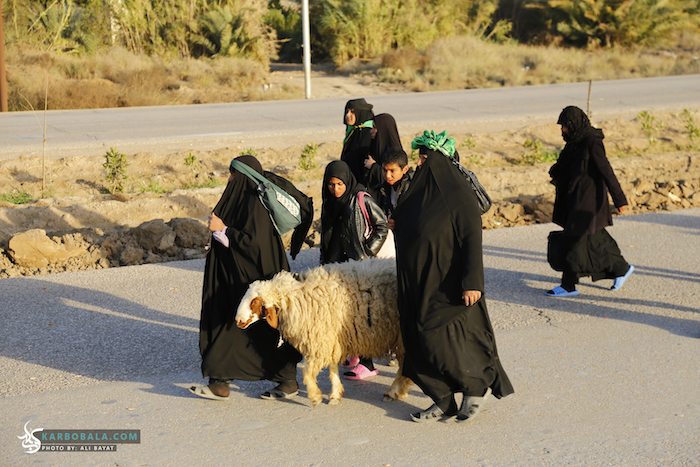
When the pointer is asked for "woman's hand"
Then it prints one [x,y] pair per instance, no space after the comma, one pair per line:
[471,297]
[390,223]
[369,162]
[621,209]
[215,223]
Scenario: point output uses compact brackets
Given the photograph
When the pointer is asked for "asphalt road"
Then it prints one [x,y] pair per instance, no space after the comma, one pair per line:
[605,378]
[213,126]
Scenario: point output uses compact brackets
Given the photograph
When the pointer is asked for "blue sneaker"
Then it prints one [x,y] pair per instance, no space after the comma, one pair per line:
[560,291]
[619,281]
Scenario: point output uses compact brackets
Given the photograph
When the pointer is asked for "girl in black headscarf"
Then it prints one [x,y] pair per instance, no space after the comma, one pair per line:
[246,248]
[385,135]
[353,226]
[582,177]
[446,330]
[359,120]
[344,231]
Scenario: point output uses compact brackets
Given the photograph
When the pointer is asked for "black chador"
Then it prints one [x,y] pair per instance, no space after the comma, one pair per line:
[450,347]
[255,252]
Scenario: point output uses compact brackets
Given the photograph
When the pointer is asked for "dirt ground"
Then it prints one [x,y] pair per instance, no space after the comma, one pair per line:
[664,174]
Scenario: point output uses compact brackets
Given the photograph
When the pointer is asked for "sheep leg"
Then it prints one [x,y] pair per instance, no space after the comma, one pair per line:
[399,388]
[314,393]
[337,389]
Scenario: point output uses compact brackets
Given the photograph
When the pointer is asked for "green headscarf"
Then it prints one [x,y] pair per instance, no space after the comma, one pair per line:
[435,142]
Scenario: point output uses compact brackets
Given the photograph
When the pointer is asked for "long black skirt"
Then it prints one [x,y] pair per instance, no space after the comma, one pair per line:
[458,357]
[597,256]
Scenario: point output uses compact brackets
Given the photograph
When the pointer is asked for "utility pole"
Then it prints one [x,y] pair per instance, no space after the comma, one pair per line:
[3,76]
[307,47]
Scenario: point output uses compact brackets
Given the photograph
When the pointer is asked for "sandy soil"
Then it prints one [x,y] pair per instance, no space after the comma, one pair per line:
[663,175]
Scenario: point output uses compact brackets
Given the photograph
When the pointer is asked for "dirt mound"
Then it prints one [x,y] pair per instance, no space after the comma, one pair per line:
[157,220]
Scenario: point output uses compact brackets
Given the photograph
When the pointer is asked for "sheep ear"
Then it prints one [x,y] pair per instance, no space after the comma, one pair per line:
[271,317]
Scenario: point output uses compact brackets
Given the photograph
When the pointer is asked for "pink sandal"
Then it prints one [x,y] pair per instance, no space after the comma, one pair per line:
[351,362]
[361,372]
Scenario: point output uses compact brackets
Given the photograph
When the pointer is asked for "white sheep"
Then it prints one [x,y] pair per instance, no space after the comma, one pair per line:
[331,312]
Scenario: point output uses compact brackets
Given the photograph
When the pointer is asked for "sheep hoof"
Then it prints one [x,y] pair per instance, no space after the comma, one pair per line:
[334,401]
[388,398]
[315,403]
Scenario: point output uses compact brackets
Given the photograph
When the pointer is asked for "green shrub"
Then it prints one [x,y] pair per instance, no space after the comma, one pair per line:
[115,165]
[650,126]
[19,197]
[212,182]
[468,157]
[307,160]
[153,186]
[192,162]
[535,153]
[249,152]
[692,129]
[49,192]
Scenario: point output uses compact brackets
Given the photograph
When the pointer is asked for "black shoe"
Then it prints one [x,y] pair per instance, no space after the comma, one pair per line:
[278,393]
[431,414]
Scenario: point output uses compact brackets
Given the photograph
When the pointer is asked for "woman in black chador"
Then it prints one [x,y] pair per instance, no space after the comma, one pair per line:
[353,227]
[447,333]
[359,121]
[385,136]
[582,177]
[245,247]
[345,234]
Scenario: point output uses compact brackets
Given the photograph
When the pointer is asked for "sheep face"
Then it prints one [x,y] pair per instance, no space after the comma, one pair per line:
[252,309]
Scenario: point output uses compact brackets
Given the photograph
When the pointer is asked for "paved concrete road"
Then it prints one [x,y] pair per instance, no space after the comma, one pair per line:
[205,127]
[606,378]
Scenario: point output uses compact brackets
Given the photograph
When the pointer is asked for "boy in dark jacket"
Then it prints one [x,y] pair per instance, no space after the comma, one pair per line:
[397,176]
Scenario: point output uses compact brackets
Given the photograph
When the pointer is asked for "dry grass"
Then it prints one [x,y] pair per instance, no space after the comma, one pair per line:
[122,79]
[468,62]
[119,78]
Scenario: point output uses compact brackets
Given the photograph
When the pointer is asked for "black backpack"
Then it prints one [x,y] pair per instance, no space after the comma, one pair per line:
[483,199]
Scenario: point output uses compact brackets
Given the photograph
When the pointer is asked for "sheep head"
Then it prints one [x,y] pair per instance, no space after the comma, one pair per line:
[252,309]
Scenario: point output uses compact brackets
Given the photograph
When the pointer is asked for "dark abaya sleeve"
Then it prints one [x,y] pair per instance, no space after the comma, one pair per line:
[355,152]
[375,177]
[242,235]
[254,242]
[466,222]
[602,164]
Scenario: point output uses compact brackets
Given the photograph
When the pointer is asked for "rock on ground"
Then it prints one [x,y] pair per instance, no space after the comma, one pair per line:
[162,215]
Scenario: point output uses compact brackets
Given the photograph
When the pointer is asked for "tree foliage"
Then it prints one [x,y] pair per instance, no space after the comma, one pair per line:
[341,29]
[223,32]
[62,25]
[620,22]
[153,27]
[286,21]
[197,27]
[369,28]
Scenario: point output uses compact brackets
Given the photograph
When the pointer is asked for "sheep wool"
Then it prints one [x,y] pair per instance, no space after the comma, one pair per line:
[330,312]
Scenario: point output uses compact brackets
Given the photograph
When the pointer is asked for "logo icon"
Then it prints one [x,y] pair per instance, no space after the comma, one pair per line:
[30,443]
